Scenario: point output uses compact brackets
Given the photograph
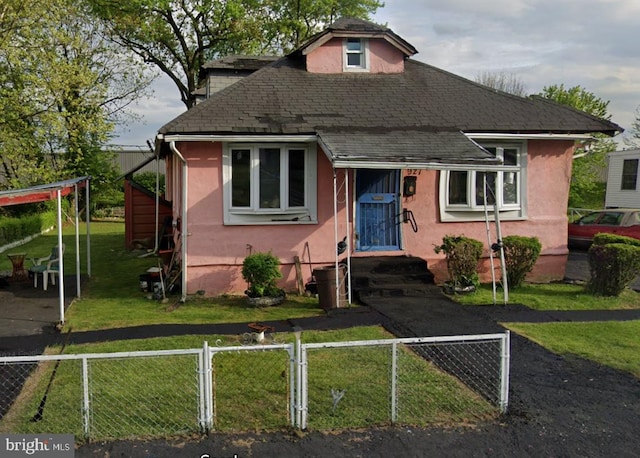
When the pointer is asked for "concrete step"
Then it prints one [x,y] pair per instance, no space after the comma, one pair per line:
[390,276]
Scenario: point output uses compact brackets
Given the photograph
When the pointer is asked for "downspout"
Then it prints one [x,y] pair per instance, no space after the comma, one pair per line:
[183,217]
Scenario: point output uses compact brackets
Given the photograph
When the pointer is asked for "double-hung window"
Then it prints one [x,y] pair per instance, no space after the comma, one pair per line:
[464,193]
[269,183]
[356,52]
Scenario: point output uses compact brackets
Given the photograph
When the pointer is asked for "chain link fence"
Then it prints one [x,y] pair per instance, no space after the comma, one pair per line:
[418,381]
[252,387]
[320,386]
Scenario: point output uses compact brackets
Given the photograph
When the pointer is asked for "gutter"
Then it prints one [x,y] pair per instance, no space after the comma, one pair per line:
[183,217]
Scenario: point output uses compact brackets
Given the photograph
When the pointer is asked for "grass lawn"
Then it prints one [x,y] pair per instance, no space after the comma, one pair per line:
[113,299]
[615,344]
[251,390]
[553,296]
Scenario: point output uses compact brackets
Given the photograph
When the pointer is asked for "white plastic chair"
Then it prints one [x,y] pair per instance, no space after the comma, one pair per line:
[48,266]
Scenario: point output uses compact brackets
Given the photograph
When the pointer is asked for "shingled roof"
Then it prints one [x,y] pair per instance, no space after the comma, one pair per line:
[283,98]
[418,115]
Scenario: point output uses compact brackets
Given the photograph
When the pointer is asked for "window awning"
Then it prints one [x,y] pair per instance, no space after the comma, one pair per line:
[404,149]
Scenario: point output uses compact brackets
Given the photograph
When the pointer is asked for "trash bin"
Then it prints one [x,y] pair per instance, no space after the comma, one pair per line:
[326,284]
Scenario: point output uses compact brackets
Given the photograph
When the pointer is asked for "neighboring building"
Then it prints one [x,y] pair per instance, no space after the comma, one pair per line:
[623,179]
[221,73]
[348,137]
[128,158]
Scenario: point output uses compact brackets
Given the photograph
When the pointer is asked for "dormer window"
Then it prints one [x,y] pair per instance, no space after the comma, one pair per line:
[356,52]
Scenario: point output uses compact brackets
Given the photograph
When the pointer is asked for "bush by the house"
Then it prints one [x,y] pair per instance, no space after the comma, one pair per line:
[462,256]
[261,271]
[614,261]
[521,254]
[14,229]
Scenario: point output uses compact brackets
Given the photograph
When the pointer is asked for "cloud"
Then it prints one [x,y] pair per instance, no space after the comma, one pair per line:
[591,43]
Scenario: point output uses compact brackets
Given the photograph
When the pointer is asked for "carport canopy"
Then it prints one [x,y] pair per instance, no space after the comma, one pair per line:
[51,191]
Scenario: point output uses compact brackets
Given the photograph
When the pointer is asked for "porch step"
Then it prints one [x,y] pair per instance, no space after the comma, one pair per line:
[390,276]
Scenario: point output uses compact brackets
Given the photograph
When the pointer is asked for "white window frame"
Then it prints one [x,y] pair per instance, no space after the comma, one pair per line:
[363,52]
[472,211]
[284,214]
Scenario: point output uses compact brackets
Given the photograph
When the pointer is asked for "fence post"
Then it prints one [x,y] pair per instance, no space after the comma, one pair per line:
[297,398]
[303,387]
[204,382]
[505,356]
[85,398]
[394,383]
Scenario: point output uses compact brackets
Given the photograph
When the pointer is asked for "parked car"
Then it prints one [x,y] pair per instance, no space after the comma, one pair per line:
[617,221]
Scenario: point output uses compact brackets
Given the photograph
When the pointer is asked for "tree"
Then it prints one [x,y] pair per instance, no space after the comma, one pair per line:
[63,88]
[634,140]
[587,187]
[505,82]
[178,36]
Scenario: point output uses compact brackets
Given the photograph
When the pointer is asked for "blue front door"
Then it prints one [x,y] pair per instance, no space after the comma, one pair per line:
[377,210]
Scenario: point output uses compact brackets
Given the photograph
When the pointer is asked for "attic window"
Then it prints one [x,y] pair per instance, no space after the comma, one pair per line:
[356,52]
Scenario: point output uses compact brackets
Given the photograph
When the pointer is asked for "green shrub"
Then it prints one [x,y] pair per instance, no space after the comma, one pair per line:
[613,266]
[261,271]
[148,180]
[604,239]
[14,229]
[462,256]
[521,254]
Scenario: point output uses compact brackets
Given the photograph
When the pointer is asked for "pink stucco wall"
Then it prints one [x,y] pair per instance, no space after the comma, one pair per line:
[383,58]
[215,252]
[548,177]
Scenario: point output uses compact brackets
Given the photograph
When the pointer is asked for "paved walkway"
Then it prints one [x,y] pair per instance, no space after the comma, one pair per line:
[559,406]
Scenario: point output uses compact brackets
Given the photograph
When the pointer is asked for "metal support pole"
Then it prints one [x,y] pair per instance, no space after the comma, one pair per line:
[304,388]
[297,399]
[60,260]
[335,233]
[488,228]
[77,220]
[505,357]
[88,217]
[86,417]
[394,383]
[348,251]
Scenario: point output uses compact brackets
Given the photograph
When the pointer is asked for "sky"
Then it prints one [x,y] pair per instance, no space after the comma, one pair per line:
[591,43]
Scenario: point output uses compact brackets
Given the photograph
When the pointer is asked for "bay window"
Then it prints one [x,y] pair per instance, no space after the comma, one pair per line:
[463,193]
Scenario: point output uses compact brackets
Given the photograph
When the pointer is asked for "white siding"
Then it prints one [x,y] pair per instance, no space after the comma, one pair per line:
[617,197]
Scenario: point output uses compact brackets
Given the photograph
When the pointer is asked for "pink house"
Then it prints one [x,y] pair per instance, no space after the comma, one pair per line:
[348,138]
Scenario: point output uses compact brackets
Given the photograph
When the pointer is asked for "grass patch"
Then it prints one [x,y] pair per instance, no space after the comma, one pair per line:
[612,343]
[112,298]
[95,314]
[157,396]
[553,296]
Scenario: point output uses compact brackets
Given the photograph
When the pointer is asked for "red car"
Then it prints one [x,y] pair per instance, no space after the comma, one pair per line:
[619,221]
